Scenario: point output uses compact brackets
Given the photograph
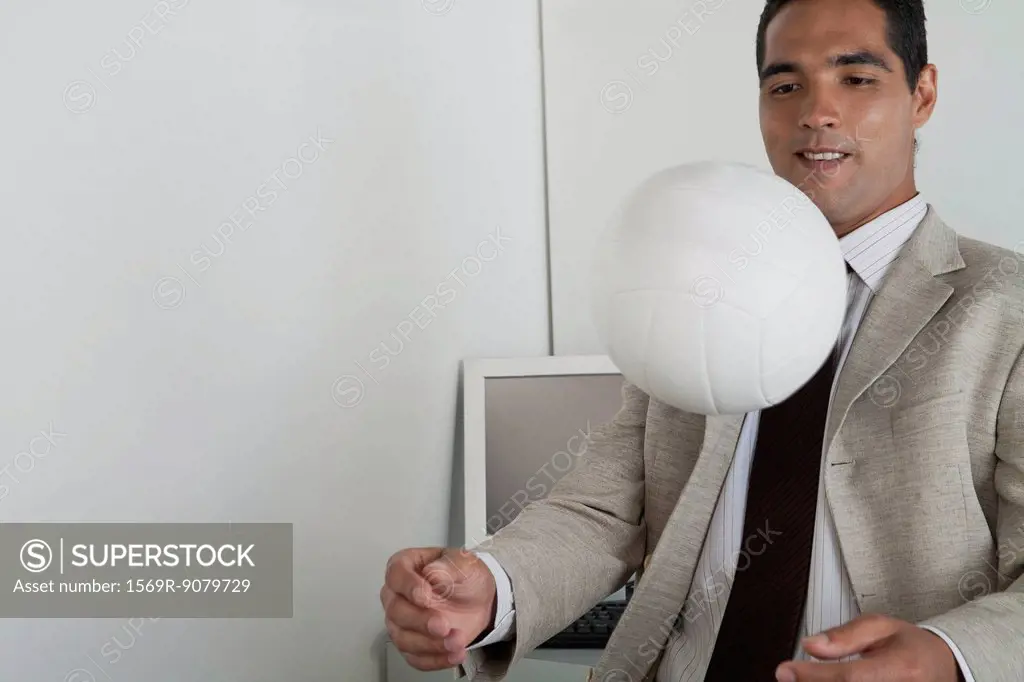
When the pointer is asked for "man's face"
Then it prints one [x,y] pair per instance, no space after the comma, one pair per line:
[832,85]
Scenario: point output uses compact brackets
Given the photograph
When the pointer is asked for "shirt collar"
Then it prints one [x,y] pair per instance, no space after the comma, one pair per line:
[873,248]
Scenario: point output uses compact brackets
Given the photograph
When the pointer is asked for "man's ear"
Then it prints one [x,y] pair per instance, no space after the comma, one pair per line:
[925,95]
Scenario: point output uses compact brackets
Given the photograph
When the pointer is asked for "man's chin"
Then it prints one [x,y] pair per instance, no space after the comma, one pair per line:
[826,201]
[825,193]
[832,205]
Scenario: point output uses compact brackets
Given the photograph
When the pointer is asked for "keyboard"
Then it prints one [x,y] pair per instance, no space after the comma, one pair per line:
[591,630]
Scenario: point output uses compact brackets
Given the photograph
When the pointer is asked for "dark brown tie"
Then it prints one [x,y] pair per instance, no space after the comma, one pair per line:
[769,592]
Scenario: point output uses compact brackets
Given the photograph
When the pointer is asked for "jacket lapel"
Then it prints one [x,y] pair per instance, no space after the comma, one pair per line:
[908,299]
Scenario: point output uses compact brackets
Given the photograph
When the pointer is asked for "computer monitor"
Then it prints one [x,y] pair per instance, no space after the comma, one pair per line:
[526,422]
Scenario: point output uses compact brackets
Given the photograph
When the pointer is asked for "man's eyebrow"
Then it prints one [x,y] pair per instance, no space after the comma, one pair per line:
[864,57]
[776,68]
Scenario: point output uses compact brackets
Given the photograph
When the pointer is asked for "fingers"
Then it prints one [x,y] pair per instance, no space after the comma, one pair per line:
[436,662]
[457,640]
[864,670]
[403,575]
[419,634]
[408,616]
[814,672]
[860,635]
[410,642]
[421,651]
[416,643]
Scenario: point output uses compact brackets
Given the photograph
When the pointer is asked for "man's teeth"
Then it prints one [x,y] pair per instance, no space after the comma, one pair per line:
[824,156]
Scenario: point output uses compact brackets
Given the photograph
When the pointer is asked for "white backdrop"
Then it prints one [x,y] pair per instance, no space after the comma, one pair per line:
[634,87]
[295,363]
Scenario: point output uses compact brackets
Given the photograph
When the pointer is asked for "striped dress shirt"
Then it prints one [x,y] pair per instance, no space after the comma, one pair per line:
[870,251]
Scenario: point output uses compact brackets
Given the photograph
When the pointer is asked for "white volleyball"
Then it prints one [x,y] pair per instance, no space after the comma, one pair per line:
[718,288]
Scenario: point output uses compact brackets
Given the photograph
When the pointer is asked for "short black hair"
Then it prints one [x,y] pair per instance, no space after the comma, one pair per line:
[906,33]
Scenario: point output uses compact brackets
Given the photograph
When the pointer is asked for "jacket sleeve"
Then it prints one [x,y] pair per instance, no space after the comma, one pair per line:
[576,545]
[989,630]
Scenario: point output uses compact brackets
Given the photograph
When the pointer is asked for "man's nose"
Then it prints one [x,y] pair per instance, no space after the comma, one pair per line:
[819,111]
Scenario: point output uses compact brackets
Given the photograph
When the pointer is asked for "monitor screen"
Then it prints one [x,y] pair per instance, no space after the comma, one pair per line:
[536,428]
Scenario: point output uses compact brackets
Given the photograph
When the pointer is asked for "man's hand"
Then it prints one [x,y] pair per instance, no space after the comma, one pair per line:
[436,602]
[890,650]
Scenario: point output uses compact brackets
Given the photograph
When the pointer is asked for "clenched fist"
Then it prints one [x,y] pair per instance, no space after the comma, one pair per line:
[436,603]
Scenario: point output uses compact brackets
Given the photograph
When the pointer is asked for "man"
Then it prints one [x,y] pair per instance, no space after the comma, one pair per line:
[897,541]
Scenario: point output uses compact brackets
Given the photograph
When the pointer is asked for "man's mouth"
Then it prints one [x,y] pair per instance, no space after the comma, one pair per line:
[824,156]
[825,163]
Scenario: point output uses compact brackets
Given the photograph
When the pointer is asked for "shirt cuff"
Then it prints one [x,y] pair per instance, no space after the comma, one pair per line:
[504,623]
[964,670]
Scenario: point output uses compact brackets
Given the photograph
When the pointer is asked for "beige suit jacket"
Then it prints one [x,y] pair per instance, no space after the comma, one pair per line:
[924,479]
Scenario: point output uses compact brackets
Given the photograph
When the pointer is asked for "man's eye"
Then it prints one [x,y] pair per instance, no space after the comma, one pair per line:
[783,89]
[860,80]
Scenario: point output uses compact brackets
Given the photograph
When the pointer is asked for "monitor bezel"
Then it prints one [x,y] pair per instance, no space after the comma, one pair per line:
[476,371]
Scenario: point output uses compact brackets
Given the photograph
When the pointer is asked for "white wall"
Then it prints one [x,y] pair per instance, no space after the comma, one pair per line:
[198,388]
[634,87]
